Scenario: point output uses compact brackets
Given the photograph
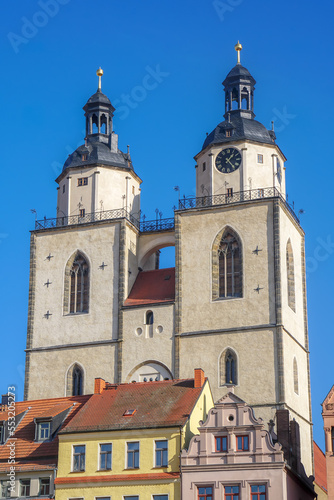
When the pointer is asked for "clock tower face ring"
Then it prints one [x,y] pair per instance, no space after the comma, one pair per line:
[228,160]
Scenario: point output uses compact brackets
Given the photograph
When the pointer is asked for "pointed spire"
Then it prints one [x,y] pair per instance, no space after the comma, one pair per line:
[238,48]
[99,74]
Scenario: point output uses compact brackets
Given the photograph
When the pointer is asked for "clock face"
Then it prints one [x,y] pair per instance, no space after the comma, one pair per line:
[228,160]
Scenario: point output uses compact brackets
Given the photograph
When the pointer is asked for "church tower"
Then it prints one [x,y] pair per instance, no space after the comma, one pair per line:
[235,303]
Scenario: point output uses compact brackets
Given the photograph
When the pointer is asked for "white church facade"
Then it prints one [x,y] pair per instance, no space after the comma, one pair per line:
[235,303]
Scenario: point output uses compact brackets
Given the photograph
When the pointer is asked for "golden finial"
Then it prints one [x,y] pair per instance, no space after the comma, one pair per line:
[238,48]
[99,74]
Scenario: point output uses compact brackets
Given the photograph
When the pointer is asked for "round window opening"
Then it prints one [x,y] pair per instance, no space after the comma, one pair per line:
[159,329]
[139,331]
[231,418]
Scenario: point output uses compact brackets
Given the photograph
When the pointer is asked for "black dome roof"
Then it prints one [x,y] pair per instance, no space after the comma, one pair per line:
[242,128]
[98,152]
[98,97]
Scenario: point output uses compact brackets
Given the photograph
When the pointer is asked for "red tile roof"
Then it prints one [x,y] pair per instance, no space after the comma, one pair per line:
[319,467]
[28,466]
[167,403]
[29,452]
[118,477]
[152,287]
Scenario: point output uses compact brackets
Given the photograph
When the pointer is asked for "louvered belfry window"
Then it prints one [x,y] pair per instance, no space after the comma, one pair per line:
[79,285]
[230,278]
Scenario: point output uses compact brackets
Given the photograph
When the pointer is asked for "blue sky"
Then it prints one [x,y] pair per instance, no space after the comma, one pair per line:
[50,53]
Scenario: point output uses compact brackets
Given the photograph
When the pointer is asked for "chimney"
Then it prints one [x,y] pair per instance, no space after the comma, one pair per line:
[99,386]
[198,378]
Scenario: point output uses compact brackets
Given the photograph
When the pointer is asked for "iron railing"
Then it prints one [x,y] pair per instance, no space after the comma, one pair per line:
[120,213]
[238,197]
[146,226]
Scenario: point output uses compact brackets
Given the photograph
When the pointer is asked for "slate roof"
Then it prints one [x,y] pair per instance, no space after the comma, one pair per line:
[29,453]
[98,97]
[167,403]
[239,72]
[320,474]
[242,128]
[98,152]
[152,287]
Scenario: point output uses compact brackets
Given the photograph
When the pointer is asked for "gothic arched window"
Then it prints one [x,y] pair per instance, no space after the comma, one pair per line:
[230,279]
[290,276]
[228,368]
[75,380]
[79,285]
[295,376]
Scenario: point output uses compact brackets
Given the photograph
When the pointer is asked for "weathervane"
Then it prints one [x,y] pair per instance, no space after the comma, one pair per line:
[238,48]
[99,74]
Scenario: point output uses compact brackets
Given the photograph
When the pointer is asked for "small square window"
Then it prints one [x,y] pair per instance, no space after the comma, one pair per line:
[228,133]
[229,192]
[105,456]
[83,181]
[205,493]
[161,453]
[133,455]
[204,166]
[24,487]
[260,158]
[79,453]
[258,492]
[84,157]
[43,431]
[63,188]
[242,443]
[82,212]
[44,486]
[221,443]
[231,492]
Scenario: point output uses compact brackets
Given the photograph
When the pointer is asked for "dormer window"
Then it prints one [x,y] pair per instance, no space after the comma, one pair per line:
[1,433]
[43,431]
[84,157]
[129,413]
[228,133]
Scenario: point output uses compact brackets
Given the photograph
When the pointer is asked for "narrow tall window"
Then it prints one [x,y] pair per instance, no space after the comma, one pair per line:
[221,443]
[290,276]
[79,453]
[295,376]
[230,277]
[149,324]
[161,453]
[1,433]
[79,285]
[133,455]
[228,368]
[5,489]
[77,381]
[332,436]
[44,486]
[105,456]
[25,487]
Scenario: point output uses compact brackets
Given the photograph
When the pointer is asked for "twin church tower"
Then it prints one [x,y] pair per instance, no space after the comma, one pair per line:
[235,303]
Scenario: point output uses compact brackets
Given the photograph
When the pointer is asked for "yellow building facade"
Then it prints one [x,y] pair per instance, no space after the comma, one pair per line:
[128,461]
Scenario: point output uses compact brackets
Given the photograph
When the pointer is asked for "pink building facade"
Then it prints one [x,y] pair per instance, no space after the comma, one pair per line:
[234,458]
[328,417]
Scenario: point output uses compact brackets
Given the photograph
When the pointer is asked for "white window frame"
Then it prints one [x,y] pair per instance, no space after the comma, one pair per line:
[155,456]
[260,159]
[72,468]
[99,457]
[39,429]
[126,455]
